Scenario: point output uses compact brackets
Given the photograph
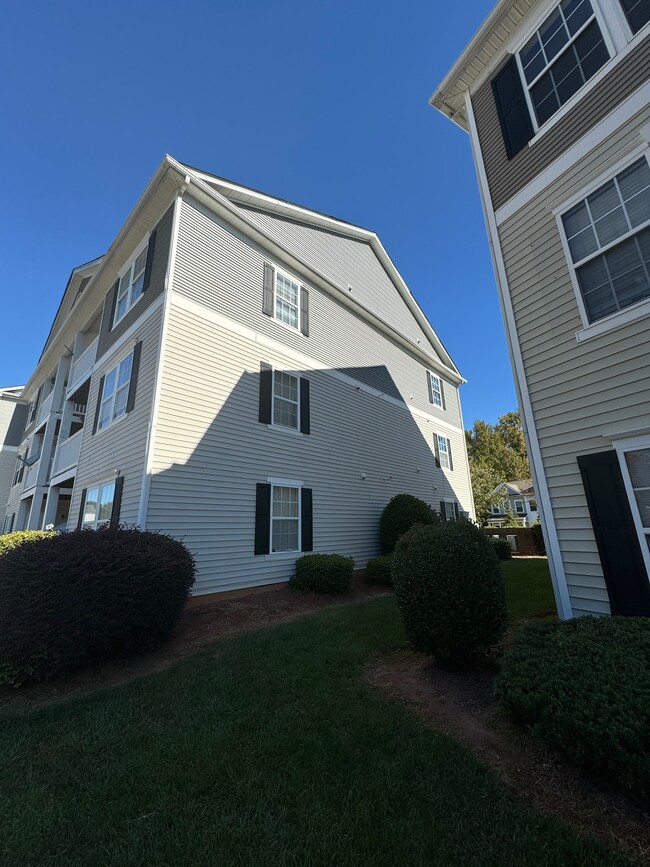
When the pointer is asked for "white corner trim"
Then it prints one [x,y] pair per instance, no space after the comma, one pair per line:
[631,106]
[155,402]
[556,565]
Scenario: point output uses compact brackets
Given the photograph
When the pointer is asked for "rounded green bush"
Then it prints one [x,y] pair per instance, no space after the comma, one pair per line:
[9,541]
[378,571]
[450,592]
[323,573]
[584,687]
[502,549]
[71,599]
[403,512]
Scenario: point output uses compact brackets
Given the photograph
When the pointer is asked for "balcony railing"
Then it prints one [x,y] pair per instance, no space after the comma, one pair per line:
[31,474]
[44,408]
[82,366]
[67,454]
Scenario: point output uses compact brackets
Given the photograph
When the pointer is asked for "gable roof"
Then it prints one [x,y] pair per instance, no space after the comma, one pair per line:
[522,487]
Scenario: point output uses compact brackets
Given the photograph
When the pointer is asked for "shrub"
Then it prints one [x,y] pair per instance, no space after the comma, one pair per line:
[324,573]
[584,687]
[11,540]
[70,599]
[450,591]
[502,549]
[378,571]
[402,512]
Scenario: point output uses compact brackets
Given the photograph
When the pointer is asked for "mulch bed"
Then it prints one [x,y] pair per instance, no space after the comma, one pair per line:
[462,706]
[200,625]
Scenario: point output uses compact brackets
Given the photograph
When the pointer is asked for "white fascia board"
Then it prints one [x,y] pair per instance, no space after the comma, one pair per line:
[233,215]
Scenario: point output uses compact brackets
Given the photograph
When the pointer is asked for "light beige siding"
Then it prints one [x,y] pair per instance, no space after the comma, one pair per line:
[211,450]
[579,392]
[121,447]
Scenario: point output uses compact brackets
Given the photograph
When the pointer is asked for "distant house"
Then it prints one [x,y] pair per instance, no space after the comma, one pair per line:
[246,374]
[556,99]
[520,497]
[13,412]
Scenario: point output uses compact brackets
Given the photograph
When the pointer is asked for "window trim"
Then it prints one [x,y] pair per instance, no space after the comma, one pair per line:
[285,483]
[296,329]
[633,311]
[523,507]
[100,397]
[130,304]
[434,376]
[277,425]
[452,503]
[634,444]
[446,452]
[99,485]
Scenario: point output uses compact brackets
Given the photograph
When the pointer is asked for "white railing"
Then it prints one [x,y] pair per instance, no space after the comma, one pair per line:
[44,408]
[67,454]
[31,474]
[83,365]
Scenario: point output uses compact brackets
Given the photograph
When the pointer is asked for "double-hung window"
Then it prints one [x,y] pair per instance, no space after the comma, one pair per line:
[285,518]
[519,507]
[115,393]
[98,505]
[608,238]
[637,13]
[130,286]
[435,390]
[286,399]
[444,452]
[287,300]
[566,51]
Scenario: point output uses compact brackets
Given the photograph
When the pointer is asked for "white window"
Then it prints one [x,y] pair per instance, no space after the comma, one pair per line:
[608,241]
[637,13]
[285,518]
[98,505]
[444,451]
[519,507]
[566,51]
[115,393]
[129,288]
[638,466]
[435,389]
[287,300]
[496,509]
[286,399]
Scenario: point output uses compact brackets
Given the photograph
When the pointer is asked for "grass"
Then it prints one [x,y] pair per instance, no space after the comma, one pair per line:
[529,589]
[268,749]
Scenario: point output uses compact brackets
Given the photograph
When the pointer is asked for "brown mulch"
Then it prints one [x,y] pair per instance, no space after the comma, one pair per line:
[199,626]
[462,706]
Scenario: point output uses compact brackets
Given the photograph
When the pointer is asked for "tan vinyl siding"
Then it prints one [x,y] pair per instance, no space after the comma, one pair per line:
[507,177]
[579,391]
[122,445]
[222,269]
[346,262]
[210,451]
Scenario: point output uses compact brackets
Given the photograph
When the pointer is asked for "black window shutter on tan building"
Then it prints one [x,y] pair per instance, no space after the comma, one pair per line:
[512,108]
[429,387]
[267,296]
[307,519]
[305,423]
[149,263]
[117,501]
[443,511]
[263,519]
[81,509]
[304,311]
[436,449]
[100,393]
[135,370]
[266,393]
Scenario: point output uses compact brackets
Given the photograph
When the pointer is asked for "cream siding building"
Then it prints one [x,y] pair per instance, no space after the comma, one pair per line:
[556,99]
[249,376]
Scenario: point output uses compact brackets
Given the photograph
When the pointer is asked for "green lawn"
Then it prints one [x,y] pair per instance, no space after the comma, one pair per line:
[265,750]
[529,589]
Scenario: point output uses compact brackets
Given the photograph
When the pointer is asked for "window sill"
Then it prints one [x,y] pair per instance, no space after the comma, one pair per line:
[286,430]
[283,555]
[616,320]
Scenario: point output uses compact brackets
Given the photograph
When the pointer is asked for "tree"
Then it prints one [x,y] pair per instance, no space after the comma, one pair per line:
[497,453]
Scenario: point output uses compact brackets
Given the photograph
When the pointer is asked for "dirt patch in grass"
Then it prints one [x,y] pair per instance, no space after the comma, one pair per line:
[462,706]
[199,626]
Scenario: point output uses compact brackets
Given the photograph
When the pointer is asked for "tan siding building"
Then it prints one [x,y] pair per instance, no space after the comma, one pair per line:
[566,195]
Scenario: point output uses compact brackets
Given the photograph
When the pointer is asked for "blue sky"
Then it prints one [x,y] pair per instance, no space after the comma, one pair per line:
[325,104]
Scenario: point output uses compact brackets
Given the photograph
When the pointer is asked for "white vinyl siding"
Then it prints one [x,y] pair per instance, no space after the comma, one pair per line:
[129,288]
[580,392]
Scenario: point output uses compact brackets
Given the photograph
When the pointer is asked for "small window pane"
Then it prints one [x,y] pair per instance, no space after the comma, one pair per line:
[140,262]
[583,244]
[637,13]
[638,463]
[125,370]
[553,34]
[90,507]
[576,13]
[109,384]
[106,502]
[544,98]
[286,385]
[105,413]
[611,227]
[600,302]
[604,201]
[532,59]
[121,399]
[591,49]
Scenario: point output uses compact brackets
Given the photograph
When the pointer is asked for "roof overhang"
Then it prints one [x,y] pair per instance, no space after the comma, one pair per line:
[488,42]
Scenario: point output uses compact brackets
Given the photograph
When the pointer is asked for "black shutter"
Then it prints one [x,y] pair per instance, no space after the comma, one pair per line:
[307,520]
[135,369]
[436,449]
[262,519]
[117,501]
[442,393]
[267,298]
[305,426]
[430,387]
[618,544]
[456,510]
[451,460]
[514,116]
[443,512]
[100,393]
[266,393]
[111,304]
[149,263]
[81,509]
[304,311]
